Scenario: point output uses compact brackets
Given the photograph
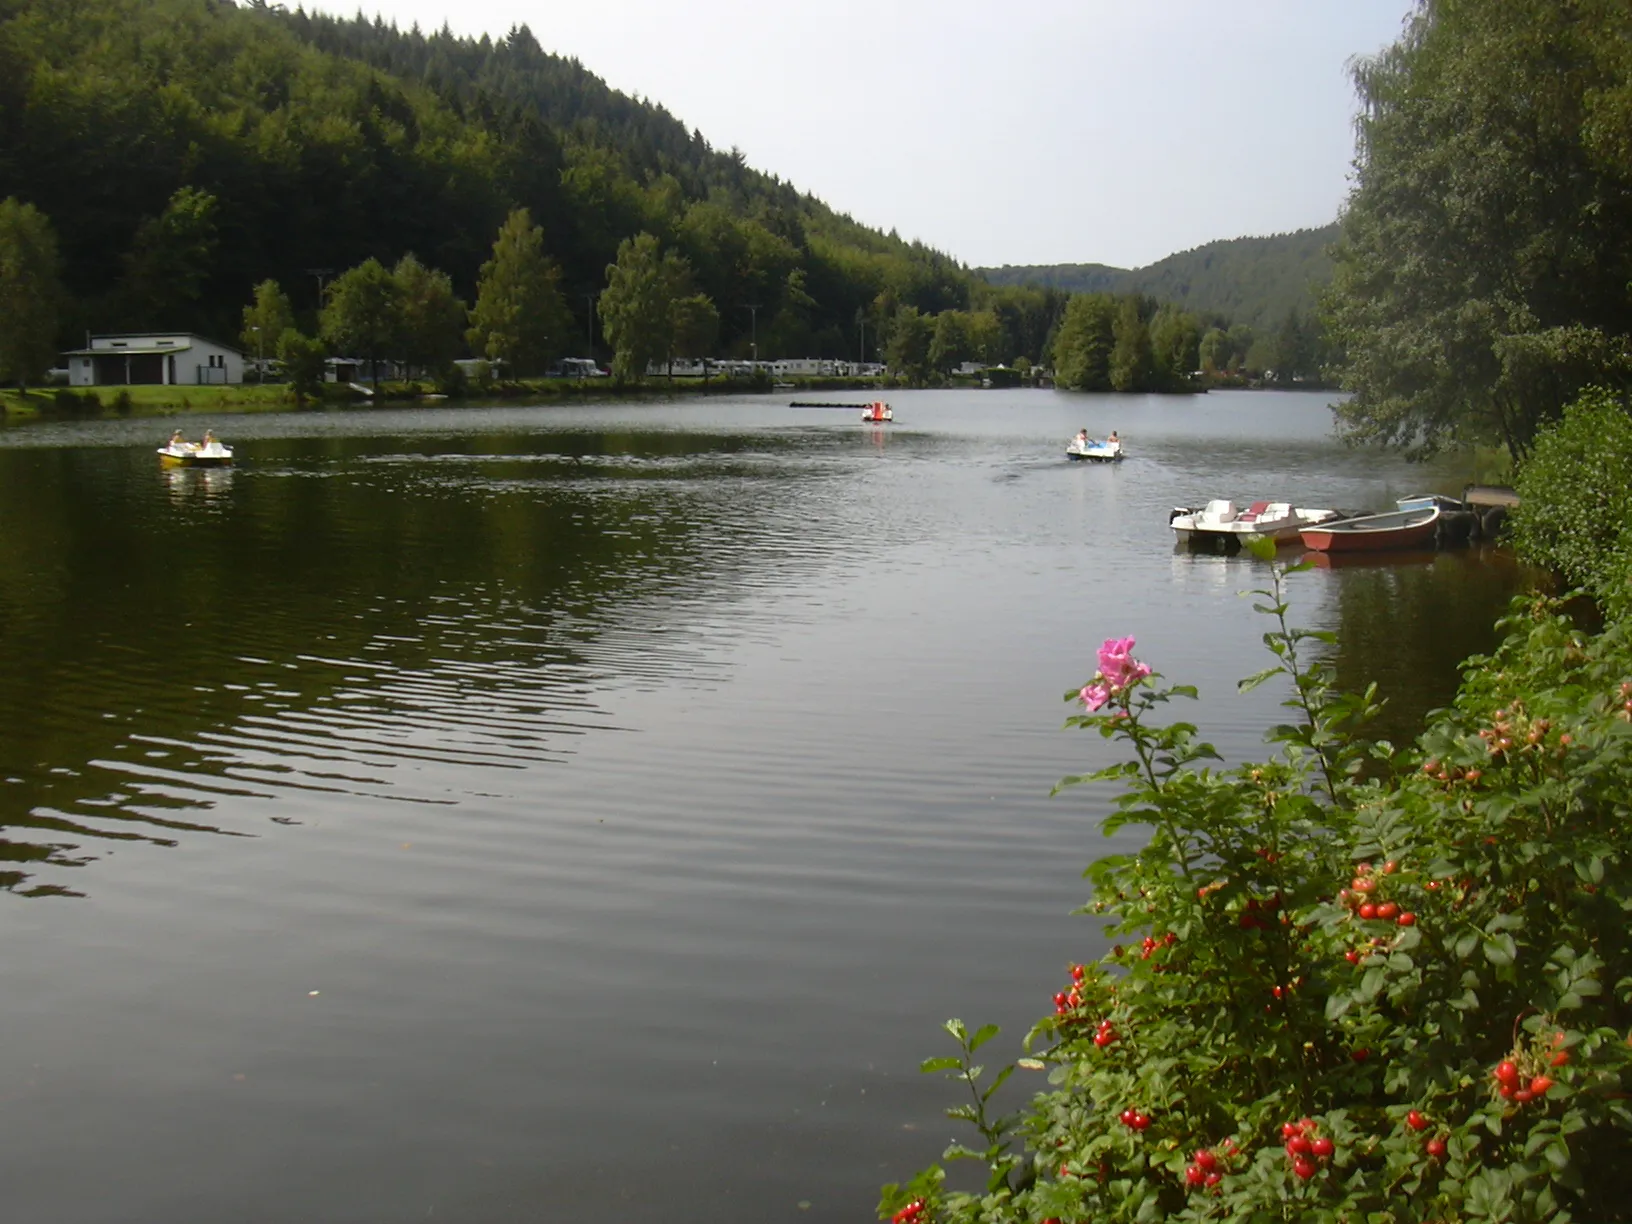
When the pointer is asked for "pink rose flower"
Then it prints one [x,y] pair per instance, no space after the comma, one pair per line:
[1094,696]
[1118,670]
[1117,666]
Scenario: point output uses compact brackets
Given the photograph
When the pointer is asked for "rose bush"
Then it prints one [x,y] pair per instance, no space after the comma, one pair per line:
[1354,982]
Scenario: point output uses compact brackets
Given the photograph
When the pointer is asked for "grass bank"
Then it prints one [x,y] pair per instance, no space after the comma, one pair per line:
[59,403]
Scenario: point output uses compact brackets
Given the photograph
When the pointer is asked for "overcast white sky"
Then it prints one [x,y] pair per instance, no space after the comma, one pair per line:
[1033,131]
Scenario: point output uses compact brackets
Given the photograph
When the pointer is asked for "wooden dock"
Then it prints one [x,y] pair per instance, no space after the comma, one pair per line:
[1486,496]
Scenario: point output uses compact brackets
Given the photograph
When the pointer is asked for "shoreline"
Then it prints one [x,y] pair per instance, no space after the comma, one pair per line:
[237,399]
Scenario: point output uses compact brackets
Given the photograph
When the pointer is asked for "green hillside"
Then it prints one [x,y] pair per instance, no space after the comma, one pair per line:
[184,156]
[1071,278]
[186,150]
[1256,281]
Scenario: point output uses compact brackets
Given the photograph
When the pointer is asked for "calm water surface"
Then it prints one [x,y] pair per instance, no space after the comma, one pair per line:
[564,814]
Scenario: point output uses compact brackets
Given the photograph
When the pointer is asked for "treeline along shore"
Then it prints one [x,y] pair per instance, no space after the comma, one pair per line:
[308,187]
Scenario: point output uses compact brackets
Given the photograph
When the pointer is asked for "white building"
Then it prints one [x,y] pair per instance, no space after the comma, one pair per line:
[154,358]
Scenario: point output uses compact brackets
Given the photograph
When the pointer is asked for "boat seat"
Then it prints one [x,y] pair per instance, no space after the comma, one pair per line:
[1219,511]
[1276,510]
[1252,512]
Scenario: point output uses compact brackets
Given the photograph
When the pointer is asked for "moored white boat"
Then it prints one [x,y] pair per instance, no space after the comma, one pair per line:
[1422,501]
[1219,523]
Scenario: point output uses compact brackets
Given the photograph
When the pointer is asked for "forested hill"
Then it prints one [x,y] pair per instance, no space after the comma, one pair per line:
[1256,281]
[185,150]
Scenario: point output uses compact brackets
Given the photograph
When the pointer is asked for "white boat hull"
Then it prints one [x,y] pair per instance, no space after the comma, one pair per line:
[192,455]
[1110,453]
[1220,525]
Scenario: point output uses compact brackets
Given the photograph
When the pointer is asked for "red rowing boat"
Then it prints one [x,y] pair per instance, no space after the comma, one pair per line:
[1374,532]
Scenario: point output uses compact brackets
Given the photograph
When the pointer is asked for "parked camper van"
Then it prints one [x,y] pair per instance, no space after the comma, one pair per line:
[576,367]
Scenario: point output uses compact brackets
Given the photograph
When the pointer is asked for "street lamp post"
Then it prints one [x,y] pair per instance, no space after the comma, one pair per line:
[753,330]
[260,358]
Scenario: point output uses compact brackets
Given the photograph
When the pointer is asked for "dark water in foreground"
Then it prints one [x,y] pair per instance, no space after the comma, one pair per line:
[587,814]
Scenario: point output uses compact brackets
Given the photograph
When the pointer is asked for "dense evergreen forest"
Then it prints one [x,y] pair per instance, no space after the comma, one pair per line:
[1255,281]
[168,162]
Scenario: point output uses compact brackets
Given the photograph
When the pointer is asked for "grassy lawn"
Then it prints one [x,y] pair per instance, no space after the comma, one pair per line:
[145,401]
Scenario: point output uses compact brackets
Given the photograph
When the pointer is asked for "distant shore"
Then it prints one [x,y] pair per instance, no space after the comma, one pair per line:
[66,403]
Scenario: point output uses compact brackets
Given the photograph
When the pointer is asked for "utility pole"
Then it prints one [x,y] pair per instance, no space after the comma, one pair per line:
[321,274]
[590,298]
[753,329]
[260,359]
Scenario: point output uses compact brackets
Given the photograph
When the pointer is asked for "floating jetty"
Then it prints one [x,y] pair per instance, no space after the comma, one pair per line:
[823,404]
[1488,506]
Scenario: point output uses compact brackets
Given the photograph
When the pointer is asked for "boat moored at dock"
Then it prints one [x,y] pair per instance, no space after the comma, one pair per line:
[1399,529]
[1219,524]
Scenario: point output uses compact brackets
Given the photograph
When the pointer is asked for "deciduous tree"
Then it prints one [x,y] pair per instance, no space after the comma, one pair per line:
[907,350]
[950,343]
[637,306]
[1214,351]
[1482,273]
[696,327]
[265,320]
[1082,347]
[170,262]
[30,292]
[1131,364]
[1175,342]
[433,319]
[303,359]
[520,316]
[363,316]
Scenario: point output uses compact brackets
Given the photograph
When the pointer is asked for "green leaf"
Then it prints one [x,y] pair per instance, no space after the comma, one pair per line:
[997,1082]
[1253,681]
[944,1063]
[1558,1154]
[1258,546]
[982,1035]
[1501,950]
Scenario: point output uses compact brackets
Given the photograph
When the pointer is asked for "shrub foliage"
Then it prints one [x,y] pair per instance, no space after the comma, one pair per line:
[1575,499]
[1355,981]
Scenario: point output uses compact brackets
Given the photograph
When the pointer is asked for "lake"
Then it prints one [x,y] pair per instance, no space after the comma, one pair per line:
[587,813]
